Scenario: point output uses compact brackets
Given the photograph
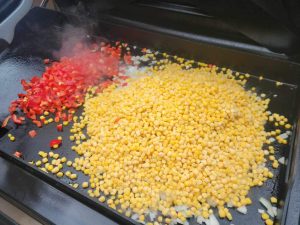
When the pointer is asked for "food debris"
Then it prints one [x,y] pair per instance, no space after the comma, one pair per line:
[32,133]
[55,143]
[18,154]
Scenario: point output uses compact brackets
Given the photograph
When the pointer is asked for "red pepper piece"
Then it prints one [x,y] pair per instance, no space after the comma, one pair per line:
[124,84]
[123,77]
[65,83]
[64,116]
[5,121]
[70,117]
[106,84]
[16,119]
[117,120]
[18,154]
[127,59]
[32,133]
[56,119]
[38,123]
[59,127]
[46,61]
[55,143]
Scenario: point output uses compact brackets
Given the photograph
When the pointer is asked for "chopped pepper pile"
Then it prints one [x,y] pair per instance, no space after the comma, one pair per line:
[63,85]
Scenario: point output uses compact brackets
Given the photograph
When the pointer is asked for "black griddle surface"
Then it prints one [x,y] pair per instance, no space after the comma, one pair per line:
[24,59]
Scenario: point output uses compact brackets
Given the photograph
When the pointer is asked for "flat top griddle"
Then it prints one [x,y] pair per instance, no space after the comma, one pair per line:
[24,58]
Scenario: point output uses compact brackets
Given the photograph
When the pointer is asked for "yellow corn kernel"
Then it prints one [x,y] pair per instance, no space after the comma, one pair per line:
[85,184]
[273,200]
[12,138]
[44,160]
[269,222]
[38,163]
[68,173]
[264,216]
[275,164]
[73,176]
[49,167]
[60,174]
[63,159]
[288,126]
[55,170]
[229,216]
[41,153]
[102,199]
[141,218]
[272,157]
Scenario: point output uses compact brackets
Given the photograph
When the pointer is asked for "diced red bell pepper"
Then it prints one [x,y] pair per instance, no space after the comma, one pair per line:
[65,83]
[59,127]
[117,120]
[38,123]
[16,119]
[18,154]
[55,143]
[32,133]
[5,121]
[56,119]
[127,59]
[123,77]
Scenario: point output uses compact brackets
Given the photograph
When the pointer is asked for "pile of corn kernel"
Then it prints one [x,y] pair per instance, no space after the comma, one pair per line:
[175,144]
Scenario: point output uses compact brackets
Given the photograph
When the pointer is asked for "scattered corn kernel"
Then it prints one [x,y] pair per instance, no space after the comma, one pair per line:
[264,216]
[12,138]
[73,176]
[273,200]
[288,126]
[63,159]
[44,160]
[60,174]
[55,170]
[38,163]
[68,173]
[85,184]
